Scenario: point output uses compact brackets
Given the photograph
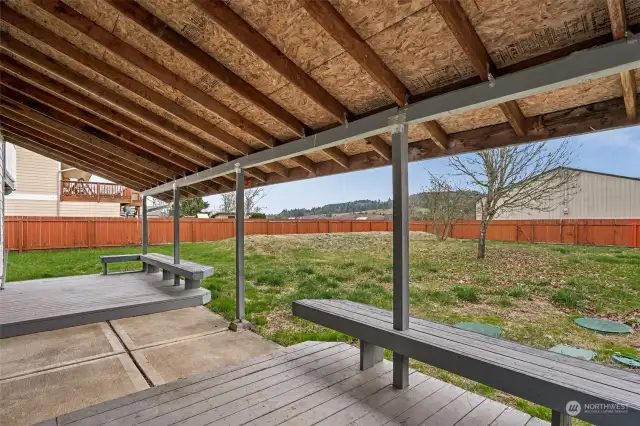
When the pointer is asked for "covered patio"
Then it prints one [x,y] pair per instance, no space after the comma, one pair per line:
[192,98]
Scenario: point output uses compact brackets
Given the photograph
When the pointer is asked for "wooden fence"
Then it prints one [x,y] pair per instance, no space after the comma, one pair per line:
[40,233]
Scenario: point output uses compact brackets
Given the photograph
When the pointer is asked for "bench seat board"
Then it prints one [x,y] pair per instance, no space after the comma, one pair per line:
[539,376]
[189,270]
[120,258]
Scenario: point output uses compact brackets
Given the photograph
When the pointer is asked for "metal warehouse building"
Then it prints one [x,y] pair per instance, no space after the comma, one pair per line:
[598,196]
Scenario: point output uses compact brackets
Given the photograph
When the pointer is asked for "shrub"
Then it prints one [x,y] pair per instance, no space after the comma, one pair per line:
[467,293]
[257,216]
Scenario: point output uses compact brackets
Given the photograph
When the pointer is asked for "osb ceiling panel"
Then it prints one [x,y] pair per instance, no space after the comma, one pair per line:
[422,52]
[515,30]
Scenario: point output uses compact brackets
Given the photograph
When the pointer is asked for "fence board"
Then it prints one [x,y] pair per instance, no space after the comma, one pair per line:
[41,233]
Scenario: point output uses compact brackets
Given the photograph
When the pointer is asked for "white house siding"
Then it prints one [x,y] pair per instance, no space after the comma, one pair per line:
[600,197]
[77,208]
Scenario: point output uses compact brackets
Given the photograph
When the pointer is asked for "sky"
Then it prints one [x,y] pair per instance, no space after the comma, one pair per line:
[616,152]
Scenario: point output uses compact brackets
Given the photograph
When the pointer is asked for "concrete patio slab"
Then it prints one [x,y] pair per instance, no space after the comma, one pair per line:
[171,361]
[40,396]
[166,327]
[51,349]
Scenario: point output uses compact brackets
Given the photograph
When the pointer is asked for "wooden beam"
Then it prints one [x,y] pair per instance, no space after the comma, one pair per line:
[462,29]
[278,168]
[43,82]
[257,173]
[114,100]
[438,135]
[223,184]
[338,156]
[100,35]
[618,17]
[90,119]
[24,131]
[58,156]
[334,23]
[10,106]
[380,146]
[305,163]
[181,44]
[258,44]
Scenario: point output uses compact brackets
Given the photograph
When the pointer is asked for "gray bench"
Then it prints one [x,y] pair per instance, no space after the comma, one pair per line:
[546,378]
[191,272]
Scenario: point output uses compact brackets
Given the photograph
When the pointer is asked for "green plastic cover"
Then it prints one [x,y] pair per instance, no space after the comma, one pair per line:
[603,325]
[585,354]
[628,360]
[486,329]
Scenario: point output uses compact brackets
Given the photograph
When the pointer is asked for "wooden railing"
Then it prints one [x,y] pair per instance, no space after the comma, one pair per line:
[94,191]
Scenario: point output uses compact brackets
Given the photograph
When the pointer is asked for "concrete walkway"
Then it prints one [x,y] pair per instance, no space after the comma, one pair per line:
[47,374]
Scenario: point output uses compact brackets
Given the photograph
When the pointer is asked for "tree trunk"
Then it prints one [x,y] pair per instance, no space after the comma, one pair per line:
[482,239]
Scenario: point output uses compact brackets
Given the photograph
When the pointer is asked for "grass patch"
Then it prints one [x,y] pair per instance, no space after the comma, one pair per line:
[569,298]
[466,293]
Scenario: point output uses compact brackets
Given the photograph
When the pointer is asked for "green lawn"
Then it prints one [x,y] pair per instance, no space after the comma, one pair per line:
[532,291]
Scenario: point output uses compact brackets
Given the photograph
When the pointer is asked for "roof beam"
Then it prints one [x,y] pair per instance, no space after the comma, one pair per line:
[468,38]
[100,35]
[305,163]
[69,127]
[258,44]
[257,173]
[24,131]
[618,16]
[58,156]
[90,119]
[181,44]
[380,146]
[278,168]
[578,67]
[119,102]
[50,85]
[438,135]
[334,23]
[338,156]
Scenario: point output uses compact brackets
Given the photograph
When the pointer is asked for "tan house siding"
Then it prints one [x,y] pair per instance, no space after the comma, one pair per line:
[36,174]
[31,207]
[74,208]
[599,197]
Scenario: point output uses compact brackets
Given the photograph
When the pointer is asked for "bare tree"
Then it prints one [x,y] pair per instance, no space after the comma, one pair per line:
[445,204]
[252,197]
[527,177]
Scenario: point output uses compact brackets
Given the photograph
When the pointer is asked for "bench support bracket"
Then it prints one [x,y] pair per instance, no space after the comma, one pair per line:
[152,269]
[370,355]
[191,284]
[167,275]
[560,419]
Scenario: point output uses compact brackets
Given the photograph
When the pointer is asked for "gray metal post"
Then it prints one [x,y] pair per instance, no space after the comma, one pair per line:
[239,244]
[176,231]
[400,165]
[145,226]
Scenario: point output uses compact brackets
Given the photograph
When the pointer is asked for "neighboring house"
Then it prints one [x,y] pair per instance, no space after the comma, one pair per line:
[597,196]
[44,187]
[223,215]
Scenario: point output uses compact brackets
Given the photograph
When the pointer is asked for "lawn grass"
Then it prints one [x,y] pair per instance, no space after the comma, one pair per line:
[533,292]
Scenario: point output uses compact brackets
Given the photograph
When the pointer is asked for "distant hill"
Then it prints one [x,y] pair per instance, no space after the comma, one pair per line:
[371,207]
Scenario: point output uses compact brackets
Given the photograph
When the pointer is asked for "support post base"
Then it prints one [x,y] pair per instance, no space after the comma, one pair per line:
[167,275]
[240,325]
[370,355]
[151,269]
[191,284]
[400,371]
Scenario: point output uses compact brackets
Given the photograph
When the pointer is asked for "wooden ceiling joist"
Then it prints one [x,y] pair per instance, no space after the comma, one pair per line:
[618,17]
[305,163]
[338,156]
[257,174]
[462,29]
[104,94]
[340,30]
[106,126]
[380,146]
[334,23]
[181,44]
[258,44]
[71,128]
[25,131]
[100,35]
[50,85]
[79,164]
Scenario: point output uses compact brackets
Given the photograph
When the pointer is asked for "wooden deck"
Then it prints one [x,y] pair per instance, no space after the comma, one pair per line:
[33,306]
[309,383]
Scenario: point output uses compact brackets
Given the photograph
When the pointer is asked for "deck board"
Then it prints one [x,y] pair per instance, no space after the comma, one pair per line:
[41,305]
[309,383]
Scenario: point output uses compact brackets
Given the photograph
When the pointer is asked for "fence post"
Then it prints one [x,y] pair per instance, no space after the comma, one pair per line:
[193,231]
[20,235]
